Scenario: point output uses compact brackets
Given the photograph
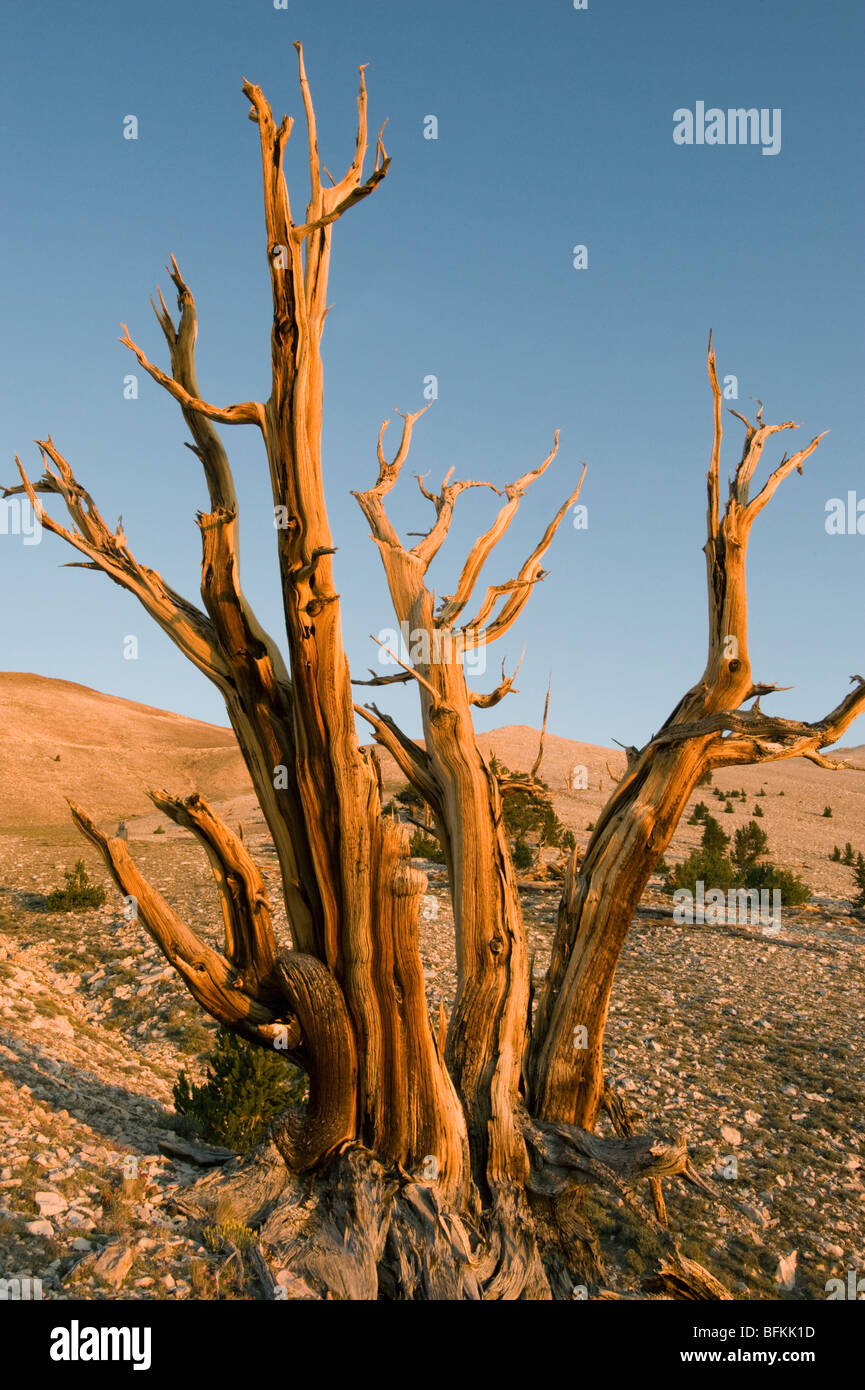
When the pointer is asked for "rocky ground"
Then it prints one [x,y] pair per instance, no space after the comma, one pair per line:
[750,1044]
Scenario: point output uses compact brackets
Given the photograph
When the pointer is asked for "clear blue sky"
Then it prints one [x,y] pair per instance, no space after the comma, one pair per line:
[555,128]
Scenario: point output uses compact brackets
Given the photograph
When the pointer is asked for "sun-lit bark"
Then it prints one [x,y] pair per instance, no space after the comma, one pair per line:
[706,730]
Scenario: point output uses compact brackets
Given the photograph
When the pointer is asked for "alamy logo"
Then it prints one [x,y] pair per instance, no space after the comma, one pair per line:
[76,1343]
[20,1289]
[736,126]
[442,647]
[854,1288]
[747,905]
[844,520]
[19,518]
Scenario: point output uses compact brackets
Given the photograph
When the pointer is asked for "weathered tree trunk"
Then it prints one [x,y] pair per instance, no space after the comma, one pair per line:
[442,1164]
[641,816]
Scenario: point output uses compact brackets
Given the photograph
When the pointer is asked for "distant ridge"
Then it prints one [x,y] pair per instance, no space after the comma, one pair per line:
[110,750]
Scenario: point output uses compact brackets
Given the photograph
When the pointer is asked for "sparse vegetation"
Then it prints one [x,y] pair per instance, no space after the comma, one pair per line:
[423,846]
[522,854]
[529,812]
[743,867]
[221,1236]
[79,892]
[246,1088]
[749,845]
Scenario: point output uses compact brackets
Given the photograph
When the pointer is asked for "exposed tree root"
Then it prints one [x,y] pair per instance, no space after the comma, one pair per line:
[355,1231]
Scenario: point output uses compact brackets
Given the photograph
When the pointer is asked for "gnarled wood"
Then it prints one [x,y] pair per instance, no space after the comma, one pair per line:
[636,825]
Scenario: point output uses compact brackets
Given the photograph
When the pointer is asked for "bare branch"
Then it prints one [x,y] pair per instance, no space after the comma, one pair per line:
[712,477]
[539,759]
[355,196]
[505,688]
[411,671]
[249,940]
[781,472]
[211,979]
[453,605]
[520,588]
[757,737]
[372,501]
[328,204]
[186,625]
[401,678]
[413,762]
[247,413]
[430,544]
[181,346]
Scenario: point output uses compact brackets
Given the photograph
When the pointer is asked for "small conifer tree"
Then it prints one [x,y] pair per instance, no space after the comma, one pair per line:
[78,894]
[245,1089]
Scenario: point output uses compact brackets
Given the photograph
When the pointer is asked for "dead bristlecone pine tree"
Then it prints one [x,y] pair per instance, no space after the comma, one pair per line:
[441,1160]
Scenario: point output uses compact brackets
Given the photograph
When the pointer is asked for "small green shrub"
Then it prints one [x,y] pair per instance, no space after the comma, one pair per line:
[530,811]
[835,856]
[246,1087]
[423,846]
[827,812]
[742,868]
[407,796]
[709,862]
[849,856]
[793,889]
[715,840]
[749,845]
[78,894]
[859,875]
[758,811]
[729,808]
[522,854]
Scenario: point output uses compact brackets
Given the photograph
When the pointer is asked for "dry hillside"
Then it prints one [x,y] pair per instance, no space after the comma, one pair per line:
[64,740]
